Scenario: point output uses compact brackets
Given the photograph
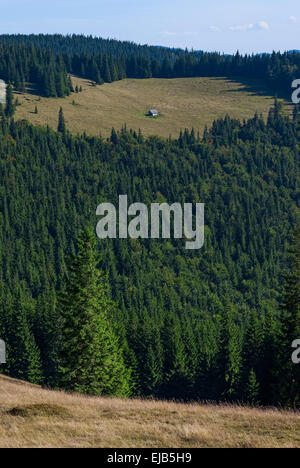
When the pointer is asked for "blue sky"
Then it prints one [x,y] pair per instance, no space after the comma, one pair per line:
[223,25]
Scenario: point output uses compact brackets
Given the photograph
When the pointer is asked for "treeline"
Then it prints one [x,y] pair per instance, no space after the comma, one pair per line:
[212,324]
[46,61]
[20,65]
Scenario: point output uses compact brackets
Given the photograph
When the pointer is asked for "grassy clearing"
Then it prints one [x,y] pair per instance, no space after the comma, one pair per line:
[183,103]
[33,417]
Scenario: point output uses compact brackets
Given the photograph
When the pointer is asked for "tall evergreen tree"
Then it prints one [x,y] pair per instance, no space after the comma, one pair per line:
[91,360]
[230,354]
[61,122]
[10,107]
[288,373]
[252,389]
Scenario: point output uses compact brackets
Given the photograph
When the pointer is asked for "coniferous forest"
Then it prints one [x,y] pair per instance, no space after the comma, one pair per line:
[148,317]
[46,61]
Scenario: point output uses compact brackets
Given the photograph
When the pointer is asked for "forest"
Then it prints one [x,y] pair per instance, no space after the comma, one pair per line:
[47,61]
[211,324]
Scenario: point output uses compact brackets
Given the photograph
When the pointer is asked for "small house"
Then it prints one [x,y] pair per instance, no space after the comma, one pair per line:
[153,113]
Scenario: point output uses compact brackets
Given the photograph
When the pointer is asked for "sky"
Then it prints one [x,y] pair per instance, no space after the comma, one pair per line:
[210,25]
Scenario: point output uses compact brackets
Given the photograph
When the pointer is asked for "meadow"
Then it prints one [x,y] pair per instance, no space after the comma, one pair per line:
[33,417]
[182,103]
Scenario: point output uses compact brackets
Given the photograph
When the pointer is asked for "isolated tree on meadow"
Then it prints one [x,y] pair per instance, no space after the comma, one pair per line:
[91,359]
[61,122]
[10,107]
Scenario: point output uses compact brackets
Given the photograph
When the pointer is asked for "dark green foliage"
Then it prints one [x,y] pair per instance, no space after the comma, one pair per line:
[46,61]
[201,324]
[61,122]
[288,373]
[10,106]
[252,389]
[230,361]
[91,360]
[16,318]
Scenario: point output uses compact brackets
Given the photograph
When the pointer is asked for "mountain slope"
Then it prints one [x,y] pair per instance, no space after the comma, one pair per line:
[182,102]
[33,417]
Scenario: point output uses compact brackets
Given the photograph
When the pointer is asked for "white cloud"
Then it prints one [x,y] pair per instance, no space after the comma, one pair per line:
[244,27]
[168,33]
[260,26]
[294,19]
[215,29]
[190,33]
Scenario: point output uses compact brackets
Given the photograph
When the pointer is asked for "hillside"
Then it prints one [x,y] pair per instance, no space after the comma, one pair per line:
[33,417]
[179,313]
[182,102]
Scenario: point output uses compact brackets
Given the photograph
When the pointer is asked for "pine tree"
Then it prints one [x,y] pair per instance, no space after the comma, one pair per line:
[252,349]
[91,360]
[24,361]
[107,71]
[114,137]
[10,105]
[70,84]
[252,390]
[176,377]
[61,122]
[230,354]
[288,373]
[60,85]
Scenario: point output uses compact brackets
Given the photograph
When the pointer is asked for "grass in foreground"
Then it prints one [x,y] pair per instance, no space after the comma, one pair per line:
[33,417]
[183,103]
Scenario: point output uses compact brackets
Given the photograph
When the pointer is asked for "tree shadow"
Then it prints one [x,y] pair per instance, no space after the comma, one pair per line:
[255,87]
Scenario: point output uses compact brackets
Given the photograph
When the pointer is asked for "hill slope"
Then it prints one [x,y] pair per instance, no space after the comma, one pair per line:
[33,417]
[183,103]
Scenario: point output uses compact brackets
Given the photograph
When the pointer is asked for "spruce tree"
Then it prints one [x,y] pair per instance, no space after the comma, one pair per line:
[91,360]
[288,373]
[10,106]
[114,137]
[23,355]
[176,377]
[61,122]
[252,389]
[230,361]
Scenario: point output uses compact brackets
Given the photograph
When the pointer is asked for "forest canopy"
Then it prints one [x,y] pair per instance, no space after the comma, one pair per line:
[46,61]
[202,324]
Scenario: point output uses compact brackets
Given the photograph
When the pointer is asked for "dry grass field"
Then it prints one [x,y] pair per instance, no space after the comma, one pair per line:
[183,103]
[33,417]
